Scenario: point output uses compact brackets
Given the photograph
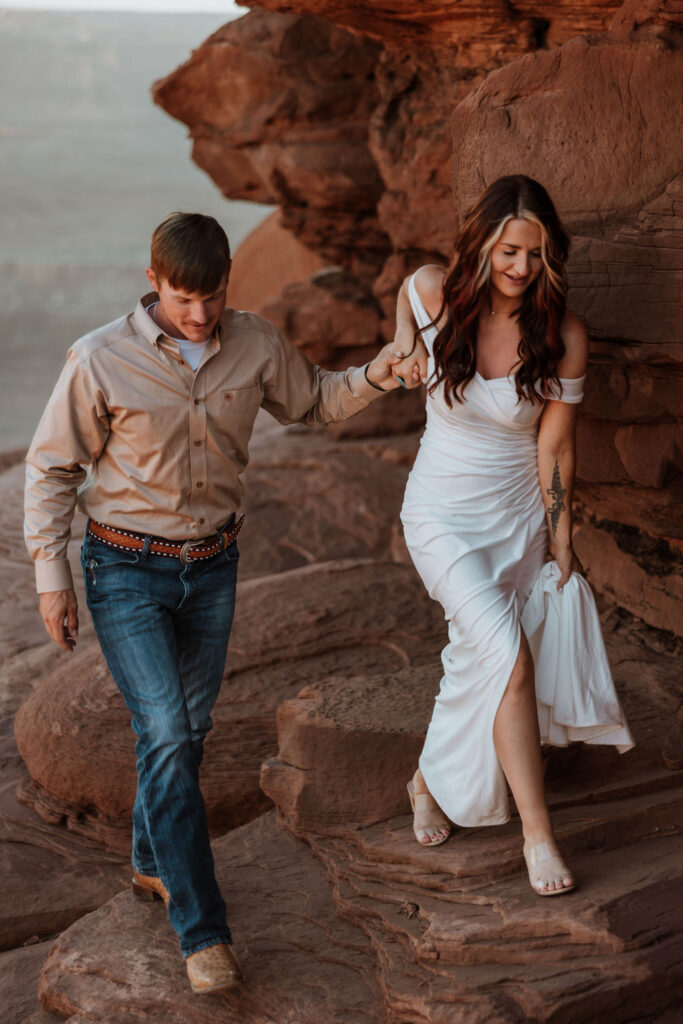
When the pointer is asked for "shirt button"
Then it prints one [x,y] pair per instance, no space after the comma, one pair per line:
[228,395]
[197,444]
[200,485]
[201,521]
[196,401]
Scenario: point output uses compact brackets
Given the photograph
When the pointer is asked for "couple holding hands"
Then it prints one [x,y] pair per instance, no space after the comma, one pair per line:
[147,431]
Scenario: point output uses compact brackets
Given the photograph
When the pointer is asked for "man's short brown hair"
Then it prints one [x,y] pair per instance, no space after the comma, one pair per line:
[191,251]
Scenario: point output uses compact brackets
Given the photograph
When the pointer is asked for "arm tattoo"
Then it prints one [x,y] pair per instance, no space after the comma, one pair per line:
[557,492]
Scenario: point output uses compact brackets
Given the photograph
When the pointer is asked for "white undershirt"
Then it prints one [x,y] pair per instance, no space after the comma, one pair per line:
[191,351]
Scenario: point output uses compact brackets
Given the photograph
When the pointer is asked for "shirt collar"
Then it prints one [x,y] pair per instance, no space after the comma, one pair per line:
[149,328]
[146,325]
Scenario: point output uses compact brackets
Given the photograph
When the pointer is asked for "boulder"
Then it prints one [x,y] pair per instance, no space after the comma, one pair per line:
[260,97]
[73,731]
[269,259]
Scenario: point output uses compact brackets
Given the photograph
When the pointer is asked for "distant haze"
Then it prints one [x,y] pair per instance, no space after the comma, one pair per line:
[88,167]
[228,8]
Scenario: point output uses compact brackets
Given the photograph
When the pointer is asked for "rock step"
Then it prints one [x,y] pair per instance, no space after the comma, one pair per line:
[474,858]
[609,951]
[301,963]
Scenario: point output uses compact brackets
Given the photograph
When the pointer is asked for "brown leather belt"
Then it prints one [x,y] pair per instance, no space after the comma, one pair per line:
[186,551]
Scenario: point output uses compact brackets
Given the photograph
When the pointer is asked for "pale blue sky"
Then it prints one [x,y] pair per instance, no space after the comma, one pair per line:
[227,7]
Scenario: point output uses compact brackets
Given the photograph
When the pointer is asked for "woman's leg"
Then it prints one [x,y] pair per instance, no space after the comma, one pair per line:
[518,746]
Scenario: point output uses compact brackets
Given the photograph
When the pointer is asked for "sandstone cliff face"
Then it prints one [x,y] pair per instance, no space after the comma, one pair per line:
[422,106]
[372,127]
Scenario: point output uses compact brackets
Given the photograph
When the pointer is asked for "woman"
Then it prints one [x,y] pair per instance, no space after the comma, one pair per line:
[506,371]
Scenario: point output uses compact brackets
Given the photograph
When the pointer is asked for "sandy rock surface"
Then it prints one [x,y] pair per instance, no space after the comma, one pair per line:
[19,973]
[301,962]
[453,935]
[50,877]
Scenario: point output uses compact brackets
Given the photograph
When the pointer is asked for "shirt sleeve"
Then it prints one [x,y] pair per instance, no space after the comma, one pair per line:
[71,434]
[297,391]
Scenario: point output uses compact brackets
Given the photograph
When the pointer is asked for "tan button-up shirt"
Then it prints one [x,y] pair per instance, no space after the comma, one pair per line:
[140,441]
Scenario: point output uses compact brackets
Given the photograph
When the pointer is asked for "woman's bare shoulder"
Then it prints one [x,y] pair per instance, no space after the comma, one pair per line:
[429,284]
[575,338]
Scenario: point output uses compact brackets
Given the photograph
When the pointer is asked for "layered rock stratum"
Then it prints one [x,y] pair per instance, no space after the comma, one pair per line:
[372,127]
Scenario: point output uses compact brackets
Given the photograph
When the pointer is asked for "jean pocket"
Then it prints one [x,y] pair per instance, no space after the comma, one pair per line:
[98,558]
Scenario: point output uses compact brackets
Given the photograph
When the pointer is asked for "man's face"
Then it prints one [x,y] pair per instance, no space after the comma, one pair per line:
[184,314]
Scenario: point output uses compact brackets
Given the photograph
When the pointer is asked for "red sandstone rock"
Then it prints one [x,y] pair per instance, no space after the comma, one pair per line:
[268,260]
[606,155]
[331,317]
[276,116]
[300,961]
[469,29]
[454,935]
[348,746]
[19,973]
[50,878]
[74,735]
[371,727]
[654,596]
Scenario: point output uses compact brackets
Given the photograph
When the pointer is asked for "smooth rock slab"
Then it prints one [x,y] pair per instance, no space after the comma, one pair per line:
[301,963]
[50,877]
[19,973]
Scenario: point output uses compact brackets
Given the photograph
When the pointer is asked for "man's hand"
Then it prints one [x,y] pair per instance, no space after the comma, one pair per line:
[59,609]
[379,371]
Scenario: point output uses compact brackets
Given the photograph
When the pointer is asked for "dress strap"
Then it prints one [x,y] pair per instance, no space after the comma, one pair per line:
[571,391]
[422,317]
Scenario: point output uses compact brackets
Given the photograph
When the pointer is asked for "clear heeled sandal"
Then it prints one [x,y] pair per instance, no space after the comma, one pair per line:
[542,856]
[426,802]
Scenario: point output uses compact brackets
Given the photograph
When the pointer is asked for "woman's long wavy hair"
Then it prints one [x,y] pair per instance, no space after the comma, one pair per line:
[467,291]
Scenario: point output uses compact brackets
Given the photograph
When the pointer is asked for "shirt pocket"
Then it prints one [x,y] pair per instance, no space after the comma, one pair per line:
[232,412]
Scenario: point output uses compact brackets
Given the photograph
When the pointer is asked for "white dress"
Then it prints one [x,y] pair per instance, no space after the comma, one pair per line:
[474,523]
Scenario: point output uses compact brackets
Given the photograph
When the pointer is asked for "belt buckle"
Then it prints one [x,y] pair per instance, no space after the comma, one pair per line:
[186,548]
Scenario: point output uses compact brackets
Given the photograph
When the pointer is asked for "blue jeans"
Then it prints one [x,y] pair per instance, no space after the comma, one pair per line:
[164,628]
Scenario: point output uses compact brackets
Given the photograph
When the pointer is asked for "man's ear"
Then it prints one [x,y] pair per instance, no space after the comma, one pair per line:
[152,278]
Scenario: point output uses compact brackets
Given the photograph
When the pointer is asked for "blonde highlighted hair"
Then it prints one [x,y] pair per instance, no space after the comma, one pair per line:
[467,291]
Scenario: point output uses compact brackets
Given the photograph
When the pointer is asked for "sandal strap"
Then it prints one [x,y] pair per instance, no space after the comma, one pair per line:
[425,802]
[541,852]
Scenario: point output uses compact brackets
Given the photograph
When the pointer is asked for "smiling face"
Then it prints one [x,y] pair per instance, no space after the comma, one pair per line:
[190,315]
[516,258]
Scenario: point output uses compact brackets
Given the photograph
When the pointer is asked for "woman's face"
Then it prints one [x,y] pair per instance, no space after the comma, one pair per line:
[516,258]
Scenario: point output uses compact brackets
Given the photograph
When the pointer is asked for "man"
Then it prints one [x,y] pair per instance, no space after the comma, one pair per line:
[148,430]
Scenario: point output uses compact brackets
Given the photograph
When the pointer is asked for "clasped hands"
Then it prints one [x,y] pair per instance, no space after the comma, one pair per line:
[402,363]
